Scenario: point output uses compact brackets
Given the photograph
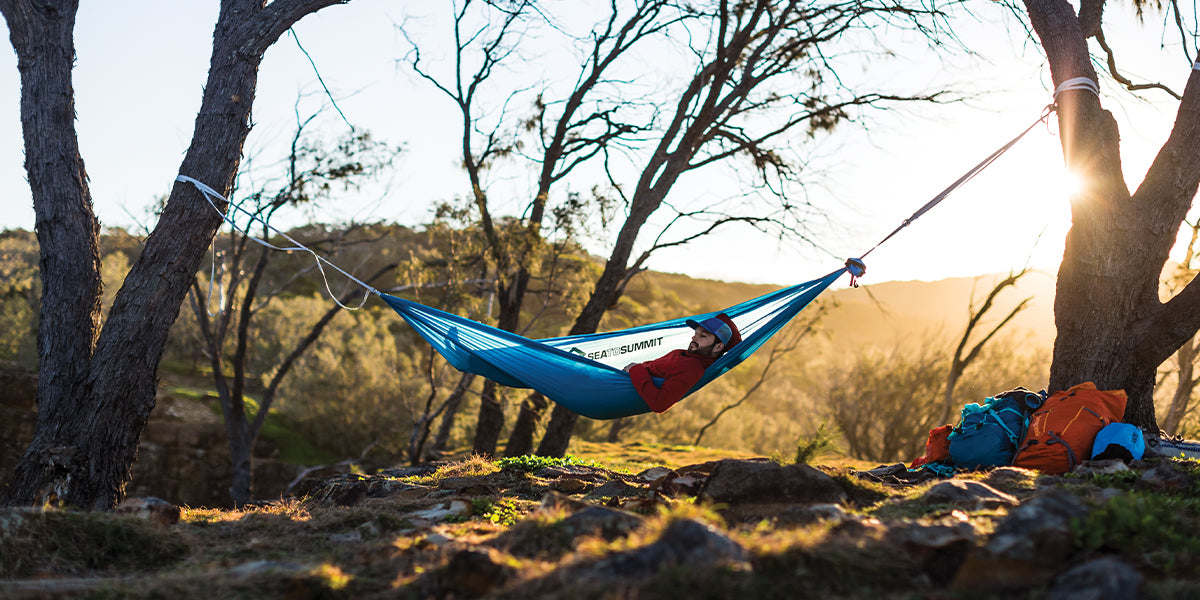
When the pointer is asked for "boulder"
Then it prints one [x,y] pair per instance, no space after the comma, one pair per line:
[1029,546]
[683,542]
[972,495]
[1104,578]
[752,481]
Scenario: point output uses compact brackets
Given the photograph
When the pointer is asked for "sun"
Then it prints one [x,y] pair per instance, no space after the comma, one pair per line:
[1061,183]
[1066,184]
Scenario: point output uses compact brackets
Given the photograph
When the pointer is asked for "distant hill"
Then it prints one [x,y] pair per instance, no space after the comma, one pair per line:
[883,313]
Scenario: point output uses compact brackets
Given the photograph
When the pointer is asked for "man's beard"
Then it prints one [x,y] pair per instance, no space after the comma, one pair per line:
[695,348]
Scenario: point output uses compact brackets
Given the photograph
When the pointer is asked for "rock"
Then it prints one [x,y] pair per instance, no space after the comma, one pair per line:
[938,549]
[1163,478]
[437,539]
[440,512]
[675,484]
[584,472]
[968,494]
[313,479]
[1029,546]
[786,513]
[350,489]
[653,474]
[1100,467]
[683,542]
[476,572]
[553,501]
[150,509]
[605,522]
[614,489]
[812,513]
[1101,579]
[259,567]
[352,537]
[646,503]
[740,482]
[347,494]
[473,485]
[570,486]
[417,471]
[1011,477]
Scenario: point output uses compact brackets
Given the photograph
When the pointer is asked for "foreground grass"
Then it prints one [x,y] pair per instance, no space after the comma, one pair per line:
[508,546]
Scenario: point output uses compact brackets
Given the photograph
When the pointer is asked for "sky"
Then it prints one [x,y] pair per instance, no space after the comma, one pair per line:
[142,65]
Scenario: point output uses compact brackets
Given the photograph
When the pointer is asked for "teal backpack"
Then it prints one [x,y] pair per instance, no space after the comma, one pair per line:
[988,434]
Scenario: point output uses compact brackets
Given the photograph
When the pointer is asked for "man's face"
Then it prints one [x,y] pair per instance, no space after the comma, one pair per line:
[705,343]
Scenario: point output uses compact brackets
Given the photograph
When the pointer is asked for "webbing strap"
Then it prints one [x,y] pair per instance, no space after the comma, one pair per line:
[210,194]
[1078,83]
[1070,452]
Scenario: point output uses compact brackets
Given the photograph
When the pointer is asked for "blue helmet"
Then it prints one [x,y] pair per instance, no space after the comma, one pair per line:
[1119,440]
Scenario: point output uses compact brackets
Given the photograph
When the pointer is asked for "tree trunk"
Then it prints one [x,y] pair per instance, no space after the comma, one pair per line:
[1111,327]
[452,404]
[1186,386]
[615,429]
[67,232]
[491,421]
[608,290]
[84,449]
[241,454]
[520,441]
[558,434]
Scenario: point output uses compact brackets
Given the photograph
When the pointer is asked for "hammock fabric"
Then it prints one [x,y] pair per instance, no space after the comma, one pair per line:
[584,372]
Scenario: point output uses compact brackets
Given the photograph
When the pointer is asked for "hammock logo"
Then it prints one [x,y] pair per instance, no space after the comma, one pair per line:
[619,350]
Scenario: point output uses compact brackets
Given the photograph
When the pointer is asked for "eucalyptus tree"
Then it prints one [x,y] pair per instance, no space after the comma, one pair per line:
[763,78]
[652,90]
[96,384]
[1112,327]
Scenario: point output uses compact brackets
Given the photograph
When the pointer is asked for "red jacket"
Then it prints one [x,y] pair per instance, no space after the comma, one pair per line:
[679,368]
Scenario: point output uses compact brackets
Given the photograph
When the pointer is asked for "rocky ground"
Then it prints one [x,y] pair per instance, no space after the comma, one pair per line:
[736,528]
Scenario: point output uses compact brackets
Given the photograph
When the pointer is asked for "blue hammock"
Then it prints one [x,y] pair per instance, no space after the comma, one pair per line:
[584,372]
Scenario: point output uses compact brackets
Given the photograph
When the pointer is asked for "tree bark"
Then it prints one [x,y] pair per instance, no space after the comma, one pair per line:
[1111,327]
[520,441]
[491,421]
[67,232]
[1185,357]
[83,451]
[452,404]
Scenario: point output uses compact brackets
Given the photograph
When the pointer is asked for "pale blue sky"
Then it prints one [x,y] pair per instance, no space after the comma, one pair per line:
[142,64]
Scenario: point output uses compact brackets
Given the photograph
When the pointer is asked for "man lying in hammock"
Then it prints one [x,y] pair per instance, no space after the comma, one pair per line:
[681,369]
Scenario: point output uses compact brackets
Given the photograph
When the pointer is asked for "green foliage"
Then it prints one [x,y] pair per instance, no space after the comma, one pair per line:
[1121,480]
[505,512]
[884,402]
[531,463]
[20,297]
[357,386]
[1155,529]
[815,445]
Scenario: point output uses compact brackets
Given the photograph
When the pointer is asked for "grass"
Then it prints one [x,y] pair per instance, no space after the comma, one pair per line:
[509,547]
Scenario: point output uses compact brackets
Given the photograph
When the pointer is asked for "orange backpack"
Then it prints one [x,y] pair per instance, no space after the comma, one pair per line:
[1061,432]
[937,447]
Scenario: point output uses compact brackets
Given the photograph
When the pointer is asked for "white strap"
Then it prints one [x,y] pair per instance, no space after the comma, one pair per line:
[1078,83]
[1196,66]
[210,193]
